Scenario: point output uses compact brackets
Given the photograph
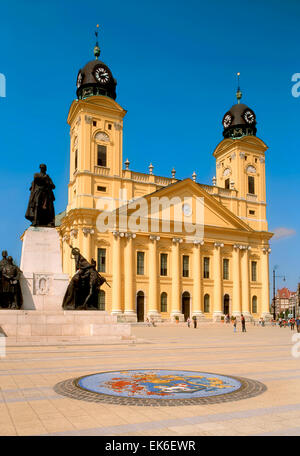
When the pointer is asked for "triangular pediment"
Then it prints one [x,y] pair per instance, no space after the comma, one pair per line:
[189,199]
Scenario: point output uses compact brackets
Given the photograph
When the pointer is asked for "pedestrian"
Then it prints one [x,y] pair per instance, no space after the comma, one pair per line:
[298,324]
[292,321]
[243,323]
[234,324]
[195,322]
[189,322]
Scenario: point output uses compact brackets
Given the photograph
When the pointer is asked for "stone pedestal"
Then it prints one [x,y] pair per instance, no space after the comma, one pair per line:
[43,282]
[22,327]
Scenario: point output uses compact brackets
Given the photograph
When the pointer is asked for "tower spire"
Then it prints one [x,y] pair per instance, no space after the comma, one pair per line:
[96,48]
[238,92]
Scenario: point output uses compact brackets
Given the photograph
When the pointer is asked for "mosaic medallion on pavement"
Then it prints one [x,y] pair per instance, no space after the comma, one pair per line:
[159,387]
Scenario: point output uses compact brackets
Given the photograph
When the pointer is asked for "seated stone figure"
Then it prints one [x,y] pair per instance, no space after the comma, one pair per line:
[82,292]
[11,294]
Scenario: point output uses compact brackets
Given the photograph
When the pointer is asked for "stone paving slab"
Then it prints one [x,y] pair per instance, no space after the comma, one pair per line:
[30,406]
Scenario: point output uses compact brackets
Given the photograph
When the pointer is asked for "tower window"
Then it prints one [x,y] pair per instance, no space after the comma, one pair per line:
[76,159]
[206,268]
[101,189]
[94,123]
[251,185]
[109,126]
[101,260]
[245,157]
[253,271]
[140,263]
[101,159]
[225,269]
[164,264]
[164,302]
[252,212]
[227,182]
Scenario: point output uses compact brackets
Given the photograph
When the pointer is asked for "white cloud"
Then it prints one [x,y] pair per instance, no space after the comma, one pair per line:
[282,233]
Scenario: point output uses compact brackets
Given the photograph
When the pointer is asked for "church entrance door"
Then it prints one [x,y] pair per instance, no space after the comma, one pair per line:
[186,307]
[140,306]
[226,304]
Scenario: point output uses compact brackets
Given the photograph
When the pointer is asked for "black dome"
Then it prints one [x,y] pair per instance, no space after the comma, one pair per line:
[239,121]
[88,84]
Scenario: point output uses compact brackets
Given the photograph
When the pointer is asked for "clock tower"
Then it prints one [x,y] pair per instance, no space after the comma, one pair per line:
[240,165]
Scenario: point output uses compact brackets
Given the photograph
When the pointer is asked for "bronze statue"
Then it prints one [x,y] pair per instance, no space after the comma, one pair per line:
[40,210]
[4,259]
[83,290]
[11,294]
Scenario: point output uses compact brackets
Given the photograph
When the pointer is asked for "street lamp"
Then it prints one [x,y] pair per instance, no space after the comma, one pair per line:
[274,298]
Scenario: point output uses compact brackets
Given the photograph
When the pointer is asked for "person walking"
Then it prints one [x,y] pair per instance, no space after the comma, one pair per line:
[234,324]
[298,324]
[195,322]
[189,322]
[243,321]
[292,322]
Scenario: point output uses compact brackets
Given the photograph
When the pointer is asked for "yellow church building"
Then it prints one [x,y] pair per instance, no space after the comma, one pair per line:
[164,273]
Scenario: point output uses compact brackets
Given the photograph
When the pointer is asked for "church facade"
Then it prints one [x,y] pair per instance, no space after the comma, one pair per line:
[157,272]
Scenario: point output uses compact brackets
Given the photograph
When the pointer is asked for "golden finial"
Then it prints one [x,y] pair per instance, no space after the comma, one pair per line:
[238,92]
[96,48]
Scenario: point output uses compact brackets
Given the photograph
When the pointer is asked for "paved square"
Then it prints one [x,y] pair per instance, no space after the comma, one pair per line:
[30,406]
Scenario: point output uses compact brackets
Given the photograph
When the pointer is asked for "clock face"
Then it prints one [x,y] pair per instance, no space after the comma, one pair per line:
[227,120]
[102,75]
[249,116]
[186,209]
[79,79]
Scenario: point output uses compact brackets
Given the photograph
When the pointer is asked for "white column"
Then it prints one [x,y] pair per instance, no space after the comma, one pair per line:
[116,307]
[197,294]
[245,283]
[236,278]
[176,285]
[129,297]
[153,310]
[217,304]
[265,290]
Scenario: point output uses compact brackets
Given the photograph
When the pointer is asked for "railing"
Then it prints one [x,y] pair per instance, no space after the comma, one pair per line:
[163,180]
[208,188]
[251,197]
[103,171]
[140,177]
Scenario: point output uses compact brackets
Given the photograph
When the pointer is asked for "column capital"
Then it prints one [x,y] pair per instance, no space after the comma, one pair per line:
[266,250]
[74,232]
[242,246]
[87,231]
[218,244]
[154,238]
[130,235]
[196,242]
[177,240]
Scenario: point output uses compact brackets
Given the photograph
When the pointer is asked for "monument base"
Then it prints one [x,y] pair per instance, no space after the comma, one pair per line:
[43,283]
[27,327]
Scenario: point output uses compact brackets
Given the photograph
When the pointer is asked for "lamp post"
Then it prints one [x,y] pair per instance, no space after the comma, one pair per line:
[274,297]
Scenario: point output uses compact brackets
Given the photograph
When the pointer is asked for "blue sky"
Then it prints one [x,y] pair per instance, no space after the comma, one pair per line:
[175,63]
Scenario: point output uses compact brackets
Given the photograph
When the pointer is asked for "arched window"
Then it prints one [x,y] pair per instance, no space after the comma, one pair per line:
[101,300]
[164,302]
[254,304]
[206,303]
